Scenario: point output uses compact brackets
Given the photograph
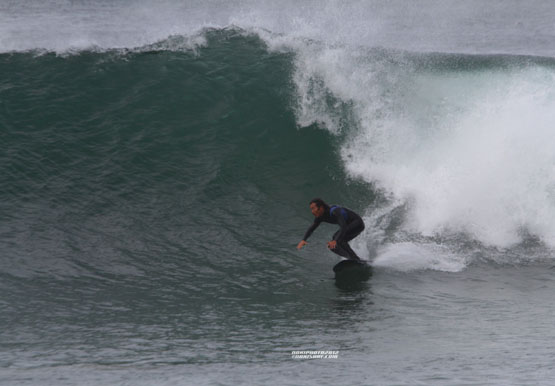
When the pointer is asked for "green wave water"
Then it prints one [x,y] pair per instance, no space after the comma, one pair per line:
[113,155]
[133,182]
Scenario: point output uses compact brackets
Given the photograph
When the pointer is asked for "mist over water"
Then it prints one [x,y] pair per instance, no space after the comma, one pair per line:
[511,27]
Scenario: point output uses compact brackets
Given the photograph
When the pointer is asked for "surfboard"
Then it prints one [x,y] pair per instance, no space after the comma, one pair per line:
[352,270]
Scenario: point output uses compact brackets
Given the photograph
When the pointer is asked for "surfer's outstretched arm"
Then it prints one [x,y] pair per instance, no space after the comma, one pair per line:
[303,242]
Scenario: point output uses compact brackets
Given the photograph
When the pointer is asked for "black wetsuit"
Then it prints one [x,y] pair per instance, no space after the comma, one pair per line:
[351,225]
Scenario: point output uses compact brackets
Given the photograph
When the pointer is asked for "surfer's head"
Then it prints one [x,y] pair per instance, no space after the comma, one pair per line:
[318,207]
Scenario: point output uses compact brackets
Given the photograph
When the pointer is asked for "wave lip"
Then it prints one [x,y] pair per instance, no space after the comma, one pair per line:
[99,26]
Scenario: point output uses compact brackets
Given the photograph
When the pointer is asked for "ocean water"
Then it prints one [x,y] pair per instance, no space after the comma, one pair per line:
[157,161]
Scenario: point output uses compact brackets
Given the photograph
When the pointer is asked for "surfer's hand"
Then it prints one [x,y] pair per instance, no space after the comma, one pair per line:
[301,244]
[332,244]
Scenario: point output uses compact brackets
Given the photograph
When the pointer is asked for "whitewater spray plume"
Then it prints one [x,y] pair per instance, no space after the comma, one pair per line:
[464,144]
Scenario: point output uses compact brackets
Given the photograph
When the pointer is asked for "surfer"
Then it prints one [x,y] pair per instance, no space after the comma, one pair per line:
[350,223]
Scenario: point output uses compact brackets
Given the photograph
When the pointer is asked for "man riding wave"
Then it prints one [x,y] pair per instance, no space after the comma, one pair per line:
[350,223]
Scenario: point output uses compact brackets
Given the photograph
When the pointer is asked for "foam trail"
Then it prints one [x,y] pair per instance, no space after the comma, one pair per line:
[411,256]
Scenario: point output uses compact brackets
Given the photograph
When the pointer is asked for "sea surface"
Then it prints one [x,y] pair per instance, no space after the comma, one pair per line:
[157,160]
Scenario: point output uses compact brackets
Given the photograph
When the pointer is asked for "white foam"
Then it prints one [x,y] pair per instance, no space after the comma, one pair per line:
[466,150]
[411,257]
[469,150]
[484,165]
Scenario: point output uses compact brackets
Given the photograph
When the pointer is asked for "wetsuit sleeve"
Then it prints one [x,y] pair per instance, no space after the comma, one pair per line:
[314,225]
[342,224]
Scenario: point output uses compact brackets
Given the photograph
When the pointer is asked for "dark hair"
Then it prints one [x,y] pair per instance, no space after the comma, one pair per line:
[319,203]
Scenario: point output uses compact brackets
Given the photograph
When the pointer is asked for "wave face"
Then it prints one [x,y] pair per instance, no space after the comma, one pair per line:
[447,155]
[447,149]
[113,158]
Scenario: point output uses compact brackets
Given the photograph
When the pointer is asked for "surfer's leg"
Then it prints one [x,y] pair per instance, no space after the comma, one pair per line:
[354,229]
[347,248]
[338,249]
[344,249]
